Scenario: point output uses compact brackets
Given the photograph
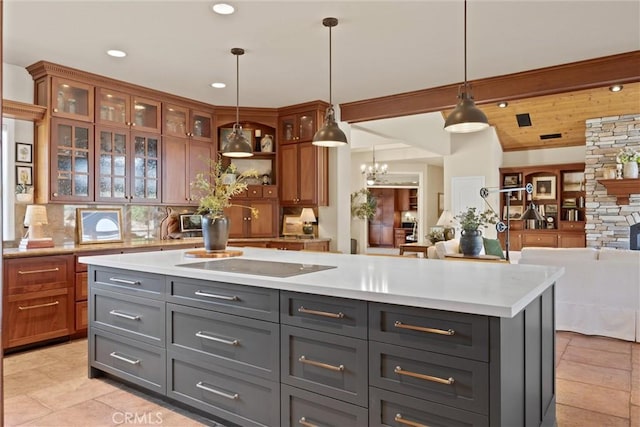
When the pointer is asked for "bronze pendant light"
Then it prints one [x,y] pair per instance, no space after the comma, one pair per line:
[466,117]
[330,134]
[237,145]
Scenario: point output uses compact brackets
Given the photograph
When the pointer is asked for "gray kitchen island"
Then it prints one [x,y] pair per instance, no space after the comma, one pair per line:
[273,338]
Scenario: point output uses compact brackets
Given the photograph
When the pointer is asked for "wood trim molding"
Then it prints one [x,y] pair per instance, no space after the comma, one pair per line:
[622,189]
[22,111]
[596,72]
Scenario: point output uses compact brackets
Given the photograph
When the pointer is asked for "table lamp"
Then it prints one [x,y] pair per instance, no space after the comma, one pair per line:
[34,218]
[307,217]
[446,221]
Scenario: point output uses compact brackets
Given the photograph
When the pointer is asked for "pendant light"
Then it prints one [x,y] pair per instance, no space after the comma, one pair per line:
[466,117]
[237,145]
[330,134]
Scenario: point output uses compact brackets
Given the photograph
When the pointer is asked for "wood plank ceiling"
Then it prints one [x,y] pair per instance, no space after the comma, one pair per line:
[564,114]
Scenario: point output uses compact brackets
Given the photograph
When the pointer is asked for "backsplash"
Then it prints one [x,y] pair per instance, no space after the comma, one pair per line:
[138,222]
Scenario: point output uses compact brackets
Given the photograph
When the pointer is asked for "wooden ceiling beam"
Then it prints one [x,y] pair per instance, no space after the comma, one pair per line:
[592,73]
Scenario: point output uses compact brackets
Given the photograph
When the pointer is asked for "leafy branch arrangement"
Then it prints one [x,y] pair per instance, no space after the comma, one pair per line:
[363,204]
[471,219]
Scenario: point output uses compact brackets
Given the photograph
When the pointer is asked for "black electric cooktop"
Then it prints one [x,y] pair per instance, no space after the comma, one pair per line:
[258,268]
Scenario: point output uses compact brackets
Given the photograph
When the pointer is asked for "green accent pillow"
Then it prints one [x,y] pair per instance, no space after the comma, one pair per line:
[492,247]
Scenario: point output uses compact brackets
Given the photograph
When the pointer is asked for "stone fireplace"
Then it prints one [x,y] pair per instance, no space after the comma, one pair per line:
[609,224]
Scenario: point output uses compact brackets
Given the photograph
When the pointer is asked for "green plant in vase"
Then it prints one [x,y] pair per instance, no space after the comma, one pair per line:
[363,204]
[470,222]
[215,188]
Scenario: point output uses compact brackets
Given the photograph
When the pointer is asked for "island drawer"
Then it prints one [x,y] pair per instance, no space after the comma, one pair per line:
[324,313]
[233,342]
[248,301]
[456,334]
[301,406]
[324,363]
[129,282]
[452,381]
[137,318]
[388,409]
[236,397]
[132,360]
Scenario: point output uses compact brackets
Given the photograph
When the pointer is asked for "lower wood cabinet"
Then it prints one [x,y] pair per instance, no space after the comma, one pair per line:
[300,245]
[38,299]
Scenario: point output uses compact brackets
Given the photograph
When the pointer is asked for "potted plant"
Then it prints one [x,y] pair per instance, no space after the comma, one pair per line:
[363,204]
[471,237]
[24,193]
[215,188]
[629,158]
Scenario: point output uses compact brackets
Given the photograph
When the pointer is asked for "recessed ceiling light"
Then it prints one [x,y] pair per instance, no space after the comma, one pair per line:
[116,53]
[503,104]
[218,85]
[223,8]
[615,88]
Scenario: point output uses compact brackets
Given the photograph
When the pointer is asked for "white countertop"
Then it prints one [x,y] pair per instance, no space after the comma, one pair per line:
[492,289]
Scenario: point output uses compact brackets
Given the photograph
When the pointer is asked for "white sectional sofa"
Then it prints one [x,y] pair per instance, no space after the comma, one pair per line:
[599,293]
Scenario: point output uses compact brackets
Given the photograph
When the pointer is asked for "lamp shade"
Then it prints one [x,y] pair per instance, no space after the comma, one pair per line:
[466,117]
[237,145]
[307,215]
[35,214]
[532,213]
[446,219]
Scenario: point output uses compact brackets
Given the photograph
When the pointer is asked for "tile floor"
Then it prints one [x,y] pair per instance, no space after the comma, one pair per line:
[598,384]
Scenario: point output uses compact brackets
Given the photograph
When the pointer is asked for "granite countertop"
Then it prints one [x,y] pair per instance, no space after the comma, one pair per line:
[470,287]
[141,243]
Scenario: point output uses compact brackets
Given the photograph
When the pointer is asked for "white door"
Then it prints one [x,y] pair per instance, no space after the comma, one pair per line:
[465,193]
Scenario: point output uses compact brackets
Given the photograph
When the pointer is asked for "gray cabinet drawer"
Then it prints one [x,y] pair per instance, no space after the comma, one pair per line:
[137,318]
[131,360]
[130,282]
[423,374]
[324,363]
[235,397]
[300,406]
[233,342]
[258,303]
[329,314]
[457,334]
[388,409]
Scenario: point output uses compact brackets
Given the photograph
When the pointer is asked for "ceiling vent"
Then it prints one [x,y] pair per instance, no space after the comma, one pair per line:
[551,136]
[524,120]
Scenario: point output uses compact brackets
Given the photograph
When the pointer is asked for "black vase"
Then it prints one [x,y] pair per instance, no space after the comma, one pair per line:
[215,232]
[471,242]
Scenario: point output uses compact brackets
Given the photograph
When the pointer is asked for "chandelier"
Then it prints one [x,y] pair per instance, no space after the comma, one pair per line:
[374,170]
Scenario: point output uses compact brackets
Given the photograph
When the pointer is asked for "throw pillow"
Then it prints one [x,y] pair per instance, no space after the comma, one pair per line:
[492,247]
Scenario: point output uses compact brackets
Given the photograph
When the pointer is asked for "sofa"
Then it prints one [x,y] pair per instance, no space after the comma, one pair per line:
[599,294]
[442,248]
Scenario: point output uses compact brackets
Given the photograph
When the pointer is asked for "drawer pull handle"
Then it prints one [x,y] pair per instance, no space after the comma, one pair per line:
[398,370]
[31,307]
[401,325]
[46,270]
[398,418]
[201,334]
[303,422]
[304,360]
[234,396]
[224,297]
[124,281]
[126,316]
[124,359]
[321,313]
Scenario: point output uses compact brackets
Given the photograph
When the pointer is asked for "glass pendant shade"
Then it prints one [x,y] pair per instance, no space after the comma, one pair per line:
[330,134]
[466,117]
[237,145]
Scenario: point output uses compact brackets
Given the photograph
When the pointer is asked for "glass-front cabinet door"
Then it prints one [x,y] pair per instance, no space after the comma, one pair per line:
[176,121]
[112,107]
[201,126]
[111,165]
[71,164]
[145,168]
[298,127]
[72,100]
[146,114]
[306,126]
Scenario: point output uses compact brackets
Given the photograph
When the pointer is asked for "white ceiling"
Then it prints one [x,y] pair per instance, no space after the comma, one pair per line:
[379,47]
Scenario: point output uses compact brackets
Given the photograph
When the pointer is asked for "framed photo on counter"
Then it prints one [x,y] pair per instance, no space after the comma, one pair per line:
[98,225]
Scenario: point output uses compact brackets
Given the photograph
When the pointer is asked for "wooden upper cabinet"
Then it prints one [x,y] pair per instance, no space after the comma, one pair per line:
[298,127]
[184,122]
[71,99]
[125,110]
[303,174]
[182,160]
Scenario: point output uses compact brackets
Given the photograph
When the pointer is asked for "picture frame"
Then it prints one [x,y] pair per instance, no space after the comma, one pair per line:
[291,225]
[544,187]
[511,180]
[516,196]
[551,209]
[99,225]
[440,204]
[515,212]
[24,175]
[24,152]
[572,181]
[225,132]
